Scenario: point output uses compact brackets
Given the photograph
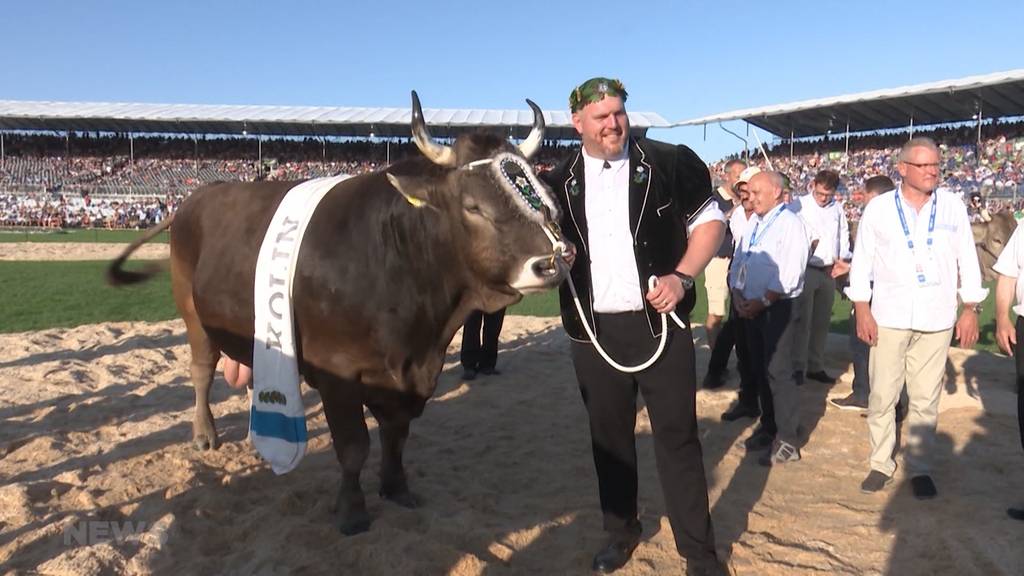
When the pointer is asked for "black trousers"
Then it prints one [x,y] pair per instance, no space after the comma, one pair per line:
[481,353]
[669,389]
[734,333]
[1018,355]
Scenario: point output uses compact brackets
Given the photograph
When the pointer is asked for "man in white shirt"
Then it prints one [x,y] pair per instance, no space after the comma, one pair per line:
[825,216]
[767,276]
[715,274]
[1010,338]
[748,403]
[636,208]
[916,245]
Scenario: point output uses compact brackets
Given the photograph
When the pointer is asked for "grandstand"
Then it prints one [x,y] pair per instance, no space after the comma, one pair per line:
[858,135]
[127,165]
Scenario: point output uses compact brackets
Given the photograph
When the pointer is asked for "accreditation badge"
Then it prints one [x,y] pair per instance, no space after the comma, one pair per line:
[926,269]
[741,276]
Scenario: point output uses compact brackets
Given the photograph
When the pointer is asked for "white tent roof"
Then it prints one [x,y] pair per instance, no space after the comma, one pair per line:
[283,120]
[996,95]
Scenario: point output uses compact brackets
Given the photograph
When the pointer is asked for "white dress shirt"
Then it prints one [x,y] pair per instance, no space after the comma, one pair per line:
[1011,262]
[829,227]
[737,223]
[778,258]
[613,269]
[898,299]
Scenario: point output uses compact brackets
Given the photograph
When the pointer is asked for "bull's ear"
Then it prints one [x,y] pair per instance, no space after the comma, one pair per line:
[411,189]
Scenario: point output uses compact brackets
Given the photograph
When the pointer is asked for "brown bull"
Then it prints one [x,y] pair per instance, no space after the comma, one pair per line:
[990,237]
[390,265]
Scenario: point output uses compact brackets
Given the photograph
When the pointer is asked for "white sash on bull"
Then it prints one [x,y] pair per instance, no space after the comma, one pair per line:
[277,418]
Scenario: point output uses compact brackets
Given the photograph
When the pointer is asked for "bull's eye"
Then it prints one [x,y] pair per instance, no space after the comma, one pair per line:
[474,209]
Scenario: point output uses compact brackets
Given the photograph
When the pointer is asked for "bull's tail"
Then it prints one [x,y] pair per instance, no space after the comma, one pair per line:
[118,276]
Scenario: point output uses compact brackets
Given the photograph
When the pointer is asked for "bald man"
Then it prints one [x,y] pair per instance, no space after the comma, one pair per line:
[767,276]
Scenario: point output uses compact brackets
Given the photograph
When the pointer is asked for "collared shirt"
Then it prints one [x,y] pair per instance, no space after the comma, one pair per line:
[830,228]
[898,300]
[778,258]
[1011,262]
[737,223]
[610,241]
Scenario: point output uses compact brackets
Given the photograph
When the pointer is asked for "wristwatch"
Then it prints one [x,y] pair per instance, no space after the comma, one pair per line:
[686,279]
[766,301]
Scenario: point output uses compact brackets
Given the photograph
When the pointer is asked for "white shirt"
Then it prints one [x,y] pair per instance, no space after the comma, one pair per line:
[613,269]
[737,223]
[777,259]
[881,253]
[1011,262]
[830,228]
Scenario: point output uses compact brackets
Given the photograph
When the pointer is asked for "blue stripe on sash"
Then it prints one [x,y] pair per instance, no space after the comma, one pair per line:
[277,425]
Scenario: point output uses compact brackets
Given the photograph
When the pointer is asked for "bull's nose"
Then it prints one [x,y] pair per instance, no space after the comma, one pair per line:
[545,267]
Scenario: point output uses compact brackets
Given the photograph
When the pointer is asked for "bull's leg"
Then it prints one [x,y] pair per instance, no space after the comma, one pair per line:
[394,429]
[344,411]
[204,361]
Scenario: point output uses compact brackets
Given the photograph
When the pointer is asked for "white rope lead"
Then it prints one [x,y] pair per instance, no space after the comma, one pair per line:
[559,248]
[651,283]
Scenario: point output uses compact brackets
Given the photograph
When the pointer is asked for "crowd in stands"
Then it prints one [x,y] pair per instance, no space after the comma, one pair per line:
[84,180]
[995,170]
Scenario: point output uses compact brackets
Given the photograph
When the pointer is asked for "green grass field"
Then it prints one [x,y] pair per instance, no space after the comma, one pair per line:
[90,236]
[38,295]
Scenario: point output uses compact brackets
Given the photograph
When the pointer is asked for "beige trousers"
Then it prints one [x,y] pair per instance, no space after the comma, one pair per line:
[716,285]
[919,360]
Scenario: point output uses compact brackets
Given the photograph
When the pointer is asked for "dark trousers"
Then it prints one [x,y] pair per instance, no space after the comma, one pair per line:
[770,337]
[481,353]
[734,333]
[669,390]
[1018,355]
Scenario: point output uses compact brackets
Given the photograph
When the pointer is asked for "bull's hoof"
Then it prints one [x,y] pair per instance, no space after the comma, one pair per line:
[204,443]
[403,498]
[355,524]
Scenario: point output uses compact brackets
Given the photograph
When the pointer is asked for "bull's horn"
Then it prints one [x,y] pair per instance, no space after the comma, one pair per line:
[532,143]
[438,153]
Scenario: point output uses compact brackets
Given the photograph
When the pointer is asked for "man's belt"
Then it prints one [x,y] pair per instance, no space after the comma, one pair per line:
[822,268]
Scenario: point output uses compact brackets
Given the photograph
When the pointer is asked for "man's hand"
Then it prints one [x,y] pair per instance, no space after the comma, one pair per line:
[751,309]
[867,328]
[1006,336]
[569,256]
[840,268]
[667,292]
[967,327]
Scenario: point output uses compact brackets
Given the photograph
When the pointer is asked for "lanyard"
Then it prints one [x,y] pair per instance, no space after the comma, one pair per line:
[753,234]
[903,220]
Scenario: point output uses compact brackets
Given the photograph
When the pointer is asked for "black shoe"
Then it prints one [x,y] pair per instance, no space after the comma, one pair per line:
[924,488]
[874,482]
[759,440]
[739,410]
[713,380]
[851,402]
[798,377]
[614,556]
[490,371]
[469,374]
[1015,513]
[713,567]
[821,376]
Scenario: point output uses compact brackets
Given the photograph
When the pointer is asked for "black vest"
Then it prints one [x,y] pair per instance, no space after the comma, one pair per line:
[667,185]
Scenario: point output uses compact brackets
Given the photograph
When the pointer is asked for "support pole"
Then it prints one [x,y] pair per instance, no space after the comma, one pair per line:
[911,128]
[846,154]
[791,146]
[131,149]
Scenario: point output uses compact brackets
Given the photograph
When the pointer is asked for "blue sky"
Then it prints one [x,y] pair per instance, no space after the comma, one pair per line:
[680,59]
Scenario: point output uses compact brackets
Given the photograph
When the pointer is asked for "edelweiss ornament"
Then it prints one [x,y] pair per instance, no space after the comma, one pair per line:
[517,178]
